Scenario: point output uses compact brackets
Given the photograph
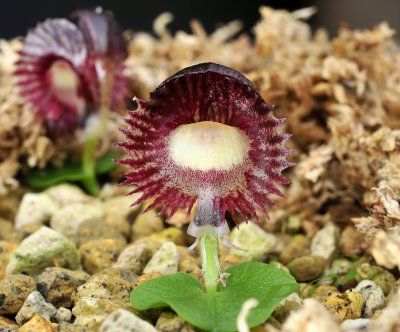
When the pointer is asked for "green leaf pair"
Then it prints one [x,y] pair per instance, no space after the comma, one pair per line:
[218,311]
[41,179]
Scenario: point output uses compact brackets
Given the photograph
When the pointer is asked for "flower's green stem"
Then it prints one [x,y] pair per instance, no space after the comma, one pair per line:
[88,165]
[90,145]
[210,263]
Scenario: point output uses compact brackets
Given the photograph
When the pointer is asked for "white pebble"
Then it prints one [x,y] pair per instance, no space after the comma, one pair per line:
[35,209]
[311,317]
[69,218]
[125,321]
[324,243]
[66,194]
[352,325]
[63,315]
[374,298]
[165,260]
[253,241]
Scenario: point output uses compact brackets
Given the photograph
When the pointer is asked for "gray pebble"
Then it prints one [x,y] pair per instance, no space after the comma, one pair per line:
[108,287]
[134,257]
[58,285]
[374,298]
[42,249]
[14,289]
[35,305]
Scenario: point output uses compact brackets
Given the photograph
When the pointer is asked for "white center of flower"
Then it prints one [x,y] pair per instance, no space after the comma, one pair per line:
[64,85]
[63,77]
[208,145]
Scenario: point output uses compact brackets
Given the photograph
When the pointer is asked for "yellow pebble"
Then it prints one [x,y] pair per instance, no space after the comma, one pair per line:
[173,234]
[346,305]
[323,291]
[96,255]
[145,277]
[38,323]
[229,260]
[6,249]
[189,264]
[357,302]
[181,217]
[7,323]
[146,224]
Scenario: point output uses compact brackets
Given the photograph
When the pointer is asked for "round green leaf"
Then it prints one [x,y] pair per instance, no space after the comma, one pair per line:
[218,311]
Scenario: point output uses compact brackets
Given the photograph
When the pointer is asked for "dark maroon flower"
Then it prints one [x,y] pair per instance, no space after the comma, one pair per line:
[206,134]
[107,52]
[62,68]
[102,34]
[48,73]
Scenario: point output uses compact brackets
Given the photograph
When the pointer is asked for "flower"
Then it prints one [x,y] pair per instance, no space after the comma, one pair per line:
[65,71]
[206,135]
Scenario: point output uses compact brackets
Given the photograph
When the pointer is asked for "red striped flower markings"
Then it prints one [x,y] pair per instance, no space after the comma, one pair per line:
[206,135]
[66,71]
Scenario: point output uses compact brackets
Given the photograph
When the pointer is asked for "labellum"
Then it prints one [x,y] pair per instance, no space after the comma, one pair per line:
[62,67]
[206,135]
